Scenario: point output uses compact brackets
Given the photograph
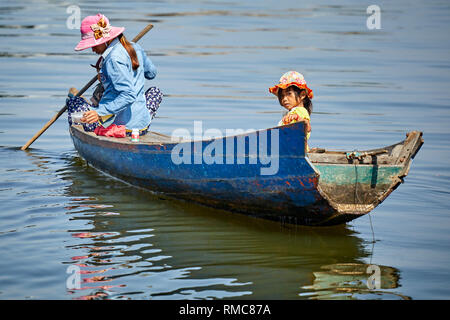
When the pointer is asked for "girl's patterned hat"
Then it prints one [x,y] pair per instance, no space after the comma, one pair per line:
[96,30]
[292,78]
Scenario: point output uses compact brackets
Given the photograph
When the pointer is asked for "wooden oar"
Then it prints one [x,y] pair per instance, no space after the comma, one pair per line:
[87,86]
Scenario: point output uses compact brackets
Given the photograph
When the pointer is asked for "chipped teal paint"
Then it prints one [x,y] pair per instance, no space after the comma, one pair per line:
[350,174]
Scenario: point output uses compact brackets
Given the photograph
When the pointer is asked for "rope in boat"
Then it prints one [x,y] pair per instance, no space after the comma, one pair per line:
[357,155]
[352,156]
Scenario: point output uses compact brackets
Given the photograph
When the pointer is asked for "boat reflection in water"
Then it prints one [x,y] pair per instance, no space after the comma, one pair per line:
[354,281]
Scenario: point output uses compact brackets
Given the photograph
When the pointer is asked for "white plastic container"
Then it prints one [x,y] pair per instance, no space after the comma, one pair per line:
[76,117]
[135,135]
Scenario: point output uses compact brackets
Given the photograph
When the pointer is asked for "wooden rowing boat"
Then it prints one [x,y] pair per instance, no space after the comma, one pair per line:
[264,173]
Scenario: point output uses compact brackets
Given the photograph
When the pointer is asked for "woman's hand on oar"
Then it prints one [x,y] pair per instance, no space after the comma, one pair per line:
[87,86]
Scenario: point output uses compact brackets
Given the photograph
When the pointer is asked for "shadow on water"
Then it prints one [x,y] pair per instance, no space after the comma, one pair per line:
[128,243]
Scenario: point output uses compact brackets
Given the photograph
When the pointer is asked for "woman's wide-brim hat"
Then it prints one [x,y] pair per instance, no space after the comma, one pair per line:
[96,30]
[291,78]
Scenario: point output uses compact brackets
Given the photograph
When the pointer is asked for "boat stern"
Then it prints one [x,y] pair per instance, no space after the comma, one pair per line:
[356,182]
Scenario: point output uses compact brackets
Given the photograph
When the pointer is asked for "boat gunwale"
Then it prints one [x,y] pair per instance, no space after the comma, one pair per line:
[181,140]
[124,141]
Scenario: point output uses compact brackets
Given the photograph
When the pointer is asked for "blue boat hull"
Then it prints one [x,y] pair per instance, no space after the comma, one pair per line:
[270,178]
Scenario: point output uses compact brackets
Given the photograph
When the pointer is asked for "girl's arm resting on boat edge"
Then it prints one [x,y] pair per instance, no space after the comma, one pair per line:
[297,118]
[291,117]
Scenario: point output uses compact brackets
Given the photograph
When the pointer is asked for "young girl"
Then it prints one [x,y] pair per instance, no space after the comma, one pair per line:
[295,96]
[122,70]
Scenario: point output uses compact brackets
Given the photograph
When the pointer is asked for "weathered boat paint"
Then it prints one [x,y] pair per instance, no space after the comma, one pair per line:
[339,174]
[235,180]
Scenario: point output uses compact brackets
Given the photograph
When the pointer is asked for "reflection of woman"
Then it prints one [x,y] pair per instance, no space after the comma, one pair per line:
[122,71]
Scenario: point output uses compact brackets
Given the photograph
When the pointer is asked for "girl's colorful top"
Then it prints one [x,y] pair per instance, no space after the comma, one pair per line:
[123,101]
[303,113]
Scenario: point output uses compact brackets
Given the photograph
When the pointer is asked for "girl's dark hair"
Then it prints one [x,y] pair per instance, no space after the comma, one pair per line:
[131,52]
[307,103]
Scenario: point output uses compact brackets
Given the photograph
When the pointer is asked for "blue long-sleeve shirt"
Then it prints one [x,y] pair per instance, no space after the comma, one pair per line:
[123,97]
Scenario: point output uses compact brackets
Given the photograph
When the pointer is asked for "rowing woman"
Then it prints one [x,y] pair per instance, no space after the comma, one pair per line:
[122,70]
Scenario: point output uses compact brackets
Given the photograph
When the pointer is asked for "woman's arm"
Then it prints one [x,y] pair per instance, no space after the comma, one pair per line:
[149,67]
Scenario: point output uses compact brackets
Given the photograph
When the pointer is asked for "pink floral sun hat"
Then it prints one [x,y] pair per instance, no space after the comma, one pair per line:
[291,78]
[96,30]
